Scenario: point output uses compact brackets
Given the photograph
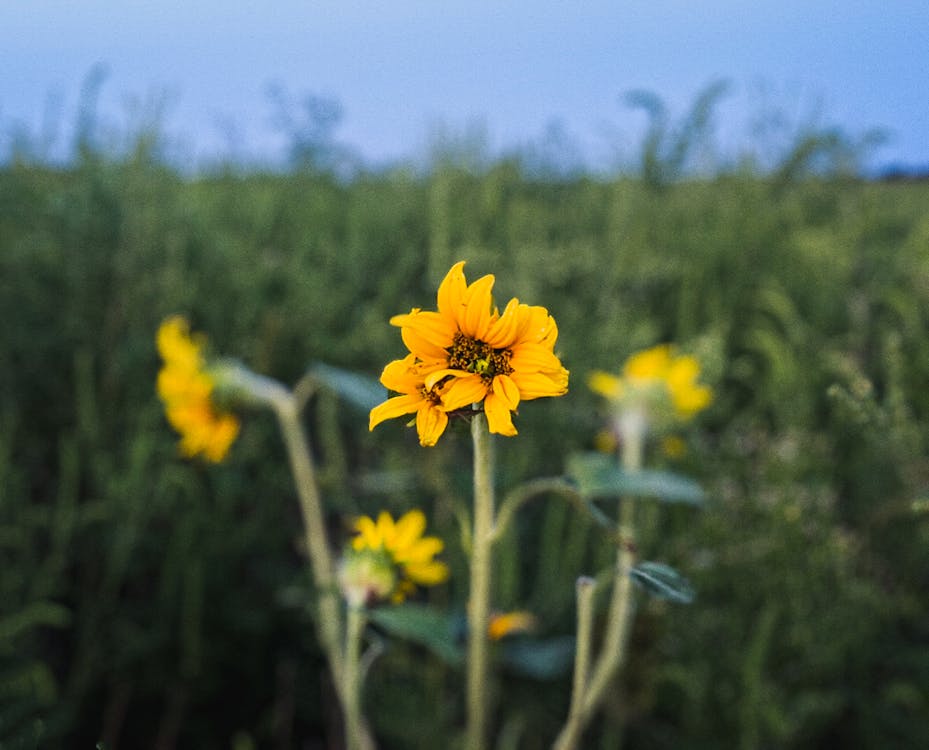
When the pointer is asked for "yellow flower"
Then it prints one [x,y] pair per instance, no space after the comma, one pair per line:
[468,352]
[185,386]
[510,623]
[411,553]
[656,377]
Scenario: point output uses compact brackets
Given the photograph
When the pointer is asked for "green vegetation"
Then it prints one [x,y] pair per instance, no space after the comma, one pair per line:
[147,601]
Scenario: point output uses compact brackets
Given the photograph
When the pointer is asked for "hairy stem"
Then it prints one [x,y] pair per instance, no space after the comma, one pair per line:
[329,622]
[355,732]
[613,651]
[479,599]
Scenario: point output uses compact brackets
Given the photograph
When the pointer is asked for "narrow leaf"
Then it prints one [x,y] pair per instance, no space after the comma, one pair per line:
[663,581]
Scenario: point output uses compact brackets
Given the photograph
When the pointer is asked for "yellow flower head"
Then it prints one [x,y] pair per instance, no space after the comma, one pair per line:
[403,548]
[656,377]
[185,386]
[503,624]
[468,352]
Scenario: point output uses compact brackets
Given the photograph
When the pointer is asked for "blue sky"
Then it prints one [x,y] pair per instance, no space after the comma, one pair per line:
[404,70]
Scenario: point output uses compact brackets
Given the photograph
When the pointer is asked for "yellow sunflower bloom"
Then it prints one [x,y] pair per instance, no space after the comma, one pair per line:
[404,552]
[470,353]
[185,386]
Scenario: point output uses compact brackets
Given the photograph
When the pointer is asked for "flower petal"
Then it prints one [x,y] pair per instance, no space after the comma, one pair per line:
[430,424]
[499,416]
[478,308]
[463,391]
[437,329]
[394,407]
[452,291]
[502,333]
[410,526]
[607,385]
[507,391]
[427,574]
[540,385]
[529,357]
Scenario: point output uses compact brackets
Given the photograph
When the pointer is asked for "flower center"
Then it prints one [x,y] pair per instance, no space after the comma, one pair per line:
[473,355]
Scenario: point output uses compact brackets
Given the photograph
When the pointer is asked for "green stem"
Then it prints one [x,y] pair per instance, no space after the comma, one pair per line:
[585,617]
[479,599]
[329,623]
[355,732]
[613,651]
[329,620]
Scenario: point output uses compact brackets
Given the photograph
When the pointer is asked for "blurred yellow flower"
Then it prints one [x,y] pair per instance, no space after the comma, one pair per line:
[503,624]
[468,352]
[185,386]
[653,376]
[409,552]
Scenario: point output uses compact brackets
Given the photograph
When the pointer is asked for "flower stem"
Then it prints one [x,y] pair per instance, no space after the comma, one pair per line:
[613,651]
[329,613]
[355,733]
[479,598]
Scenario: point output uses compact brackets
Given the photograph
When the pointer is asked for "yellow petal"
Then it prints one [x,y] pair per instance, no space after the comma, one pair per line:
[368,536]
[420,345]
[507,391]
[410,526]
[463,391]
[502,333]
[430,424]
[427,574]
[394,407]
[478,312]
[452,290]
[607,385]
[649,364]
[434,328]
[421,551]
[499,417]
[530,357]
[385,528]
[540,385]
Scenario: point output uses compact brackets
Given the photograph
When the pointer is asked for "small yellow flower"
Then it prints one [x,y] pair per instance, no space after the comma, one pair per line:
[510,623]
[655,378]
[406,549]
[468,352]
[185,385]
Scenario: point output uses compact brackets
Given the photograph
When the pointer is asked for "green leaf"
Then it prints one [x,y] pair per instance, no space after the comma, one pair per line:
[663,581]
[598,475]
[421,624]
[360,390]
[541,659]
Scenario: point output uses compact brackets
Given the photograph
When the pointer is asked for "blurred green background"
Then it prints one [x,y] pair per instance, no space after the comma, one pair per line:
[148,601]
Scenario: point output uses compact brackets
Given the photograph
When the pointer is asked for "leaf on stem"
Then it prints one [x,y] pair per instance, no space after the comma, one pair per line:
[597,476]
[662,581]
[355,388]
[423,625]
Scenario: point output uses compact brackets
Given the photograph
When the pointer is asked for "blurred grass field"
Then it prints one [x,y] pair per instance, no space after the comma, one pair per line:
[148,601]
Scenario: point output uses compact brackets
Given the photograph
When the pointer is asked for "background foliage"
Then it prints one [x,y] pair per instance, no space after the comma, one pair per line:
[146,601]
